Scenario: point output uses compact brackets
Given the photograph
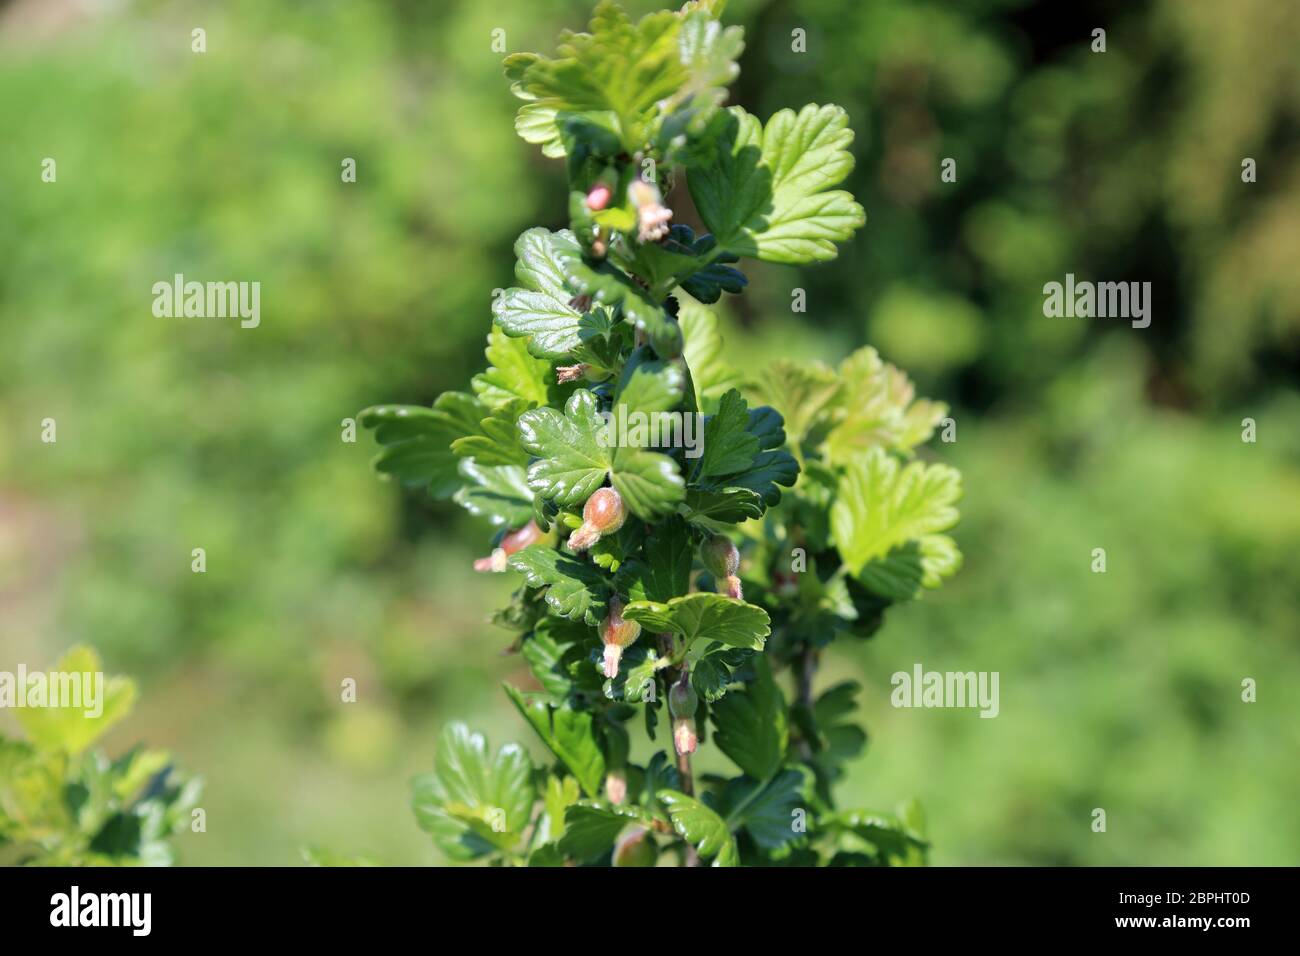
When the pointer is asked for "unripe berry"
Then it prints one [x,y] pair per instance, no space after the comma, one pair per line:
[602,514]
[513,542]
[722,559]
[682,699]
[720,556]
[635,848]
[682,704]
[616,634]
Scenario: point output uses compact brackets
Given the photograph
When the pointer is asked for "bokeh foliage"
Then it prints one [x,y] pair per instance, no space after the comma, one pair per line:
[1119,690]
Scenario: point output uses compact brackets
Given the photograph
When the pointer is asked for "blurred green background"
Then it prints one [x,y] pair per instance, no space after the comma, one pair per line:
[1119,690]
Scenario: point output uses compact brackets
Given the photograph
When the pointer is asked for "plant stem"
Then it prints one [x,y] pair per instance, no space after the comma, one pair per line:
[804,669]
[687,780]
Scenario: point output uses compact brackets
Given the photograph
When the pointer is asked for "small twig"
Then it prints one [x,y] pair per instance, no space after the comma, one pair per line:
[805,668]
[687,779]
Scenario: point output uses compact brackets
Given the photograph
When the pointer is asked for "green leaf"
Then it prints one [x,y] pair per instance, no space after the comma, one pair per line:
[548,854]
[649,482]
[712,374]
[619,69]
[545,655]
[803,392]
[729,505]
[769,812]
[417,440]
[499,493]
[638,677]
[663,571]
[574,456]
[590,829]
[710,678]
[540,310]
[759,437]
[94,703]
[703,616]
[609,286]
[572,450]
[471,804]
[574,589]
[878,408]
[319,856]
[497,442]
[769,193]
[648,386]
[700,827]
[512,373]
[729,448]
[660,774]
[894,841]
[569,734]
[560,794]
[769,470]
[886,522]
[692,121]
[752,725]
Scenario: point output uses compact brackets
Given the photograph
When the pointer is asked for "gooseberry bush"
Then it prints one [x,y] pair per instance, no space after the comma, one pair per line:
[688,535]
[66,802]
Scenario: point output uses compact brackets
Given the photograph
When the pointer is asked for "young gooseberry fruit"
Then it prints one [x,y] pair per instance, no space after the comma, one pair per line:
[602,514]
[616,634]
[682,704]
[722,559]
[513,542]
[635,848]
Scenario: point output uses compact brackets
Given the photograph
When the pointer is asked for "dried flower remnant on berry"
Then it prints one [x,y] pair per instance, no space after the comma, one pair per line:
[570,373]
[682,704]
[616,786]
[602,514]
[651,214]
[616,634]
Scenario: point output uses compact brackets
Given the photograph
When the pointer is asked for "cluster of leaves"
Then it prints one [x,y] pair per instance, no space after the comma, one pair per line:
[810,468]
[63,804]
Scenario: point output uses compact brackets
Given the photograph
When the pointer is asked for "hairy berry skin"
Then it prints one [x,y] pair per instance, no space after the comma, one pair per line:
[720,555]
[682,704]
[722,559]
[636,847]
[602,514]
[616,634]
[512,543]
